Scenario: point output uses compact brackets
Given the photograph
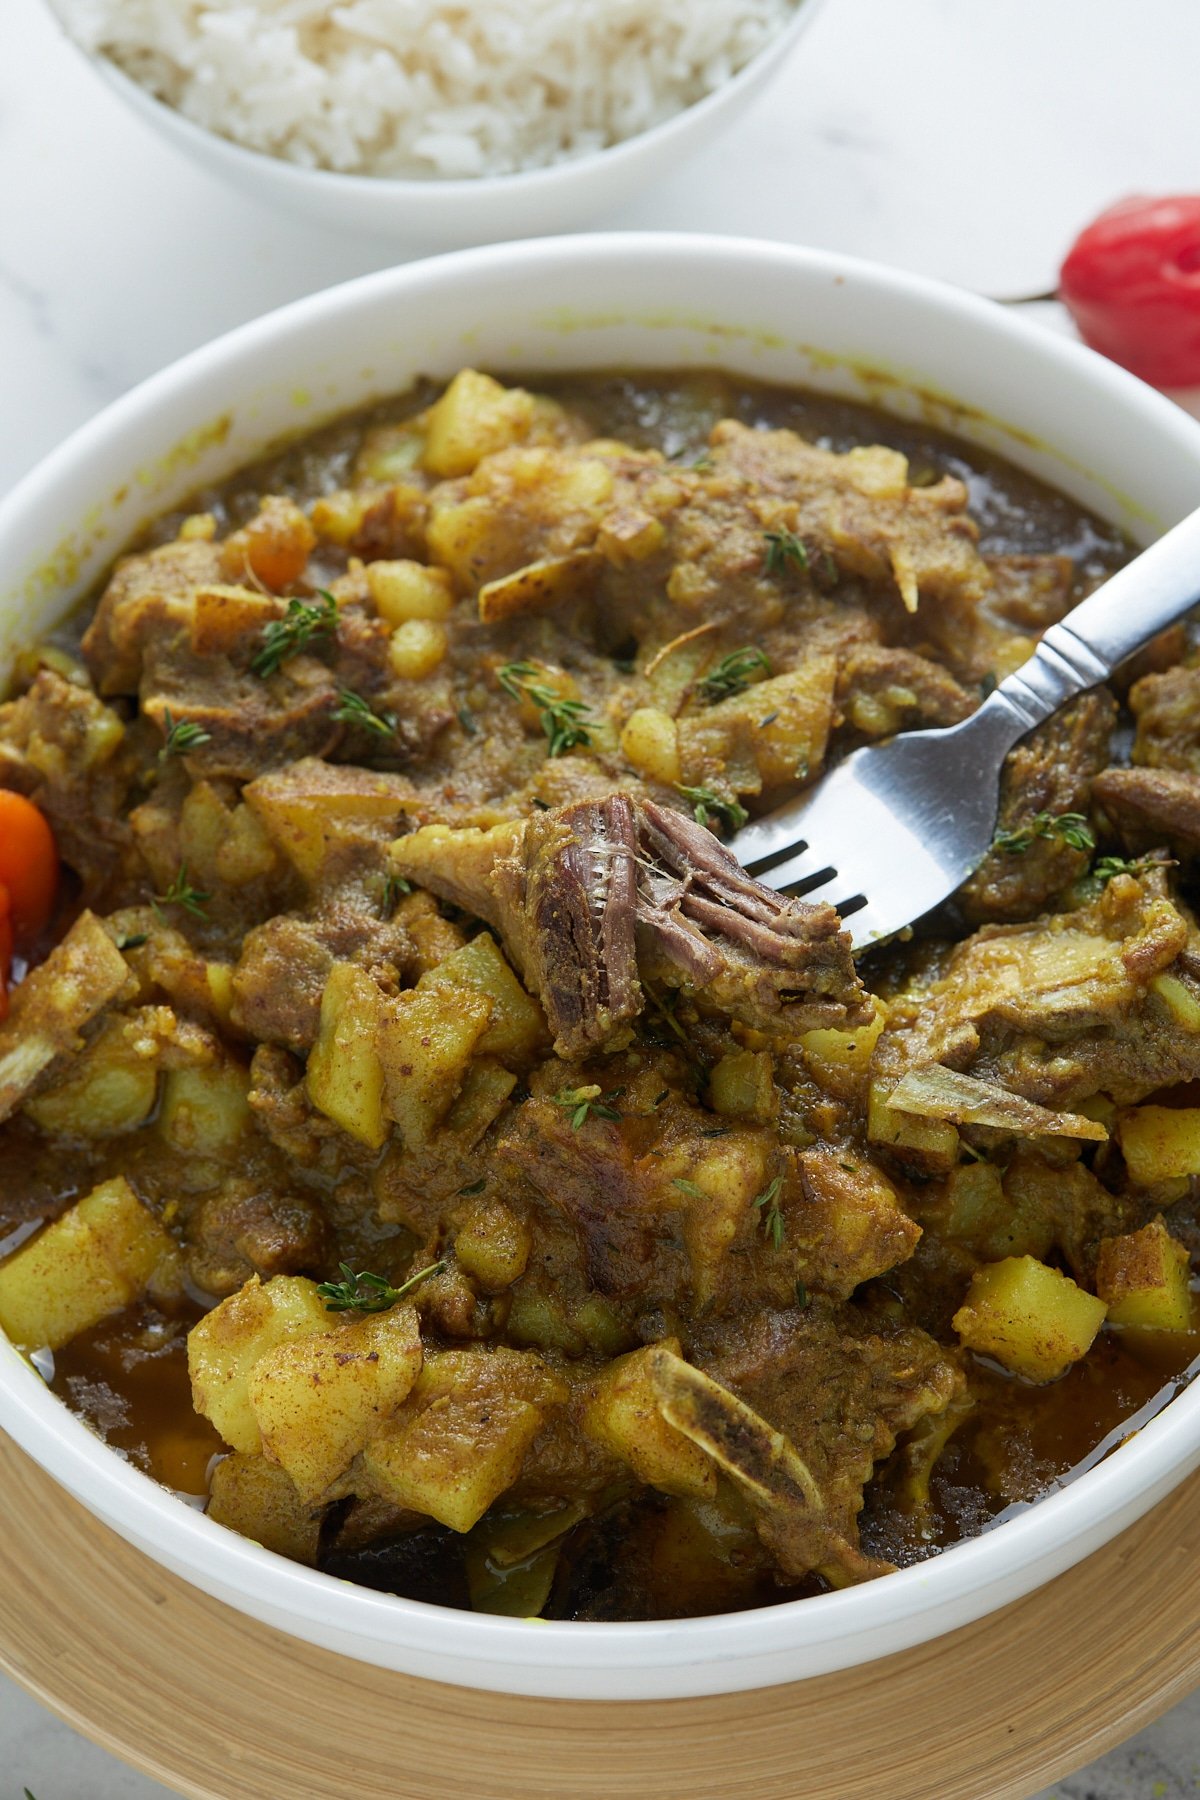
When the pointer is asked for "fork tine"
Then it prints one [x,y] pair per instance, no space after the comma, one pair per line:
[807,867]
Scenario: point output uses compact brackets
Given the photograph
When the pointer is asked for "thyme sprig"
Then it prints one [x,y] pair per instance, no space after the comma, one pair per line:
[706,803]
[368,1293]
[783,547]
[1069,828]
[182,736]
[733,674]
[767,1203]
[561,719]
[182,893]
[301,623]
[352,709]
[582,1101]
[393,889]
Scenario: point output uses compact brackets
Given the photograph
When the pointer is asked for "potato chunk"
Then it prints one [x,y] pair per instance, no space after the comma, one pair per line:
[517,1027]
[50,1008]
[317,1400]
[229,1341]
[110,1088]
[1028,1316]
[492,1244]
[310,809]
[624,1415]
[459,1440]
[1143,1276]
[1159,1142]
[474,417]
[101,1255]
[428,1038]
[345,1074]
[259,1500]
[205,1111]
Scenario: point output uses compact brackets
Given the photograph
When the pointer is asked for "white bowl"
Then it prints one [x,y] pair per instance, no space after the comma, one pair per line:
[438,214]
[763,310]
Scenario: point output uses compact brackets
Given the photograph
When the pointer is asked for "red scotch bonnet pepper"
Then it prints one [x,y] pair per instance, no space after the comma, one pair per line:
[1131,281]
[28,880]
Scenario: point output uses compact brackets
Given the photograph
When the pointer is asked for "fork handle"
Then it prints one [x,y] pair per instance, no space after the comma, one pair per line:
[1153,591]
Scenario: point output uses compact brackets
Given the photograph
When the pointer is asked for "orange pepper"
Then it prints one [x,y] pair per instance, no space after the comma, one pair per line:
[28,879]
[28,864]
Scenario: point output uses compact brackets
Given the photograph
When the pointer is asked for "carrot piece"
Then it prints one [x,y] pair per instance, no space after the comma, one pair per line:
[28,865]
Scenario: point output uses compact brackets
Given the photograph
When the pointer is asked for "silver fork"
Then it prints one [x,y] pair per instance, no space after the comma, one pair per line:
[897,826]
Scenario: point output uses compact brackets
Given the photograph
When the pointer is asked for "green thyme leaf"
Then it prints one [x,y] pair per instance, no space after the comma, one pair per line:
[1069,828]
[706,803]
[352,709]
[182,735]
[134,941]
[768,1204]
[182,893]
[783,547]
[393,889]
[561,719]
[303,621]
[690,1188]
[582,1101]
[733,674]
[368,1293]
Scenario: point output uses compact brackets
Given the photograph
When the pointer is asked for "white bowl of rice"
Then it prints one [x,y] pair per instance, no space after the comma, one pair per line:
[446,122]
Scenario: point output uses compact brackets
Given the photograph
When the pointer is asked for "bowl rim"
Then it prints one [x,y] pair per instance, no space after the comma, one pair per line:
[520,1652]
[516,184]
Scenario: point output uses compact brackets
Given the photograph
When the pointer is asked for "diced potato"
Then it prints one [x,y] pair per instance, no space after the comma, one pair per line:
[1030,1317]
[742,1086]
[1144,1278]
[844,1049]
[317,1400]
[540,1319]
[345,1076]
[852,1226]
[486,1086]
[245,853]
[459,1440]
[623,1414]
[932,1143]
[110,1088]
[778,728]
[205,1111]
[389,451]
[475,417]
[406,590]
[258,1500]
[1159,1142]
[650,741]
[305,808]
[1180,1000]
[52,1005]
[416,649]
[425,1043]
[517,1026]
[995,1221]
[536,588]
[223,619]
[492,1244]
[229,1341]
[721,1187]
[100,1256]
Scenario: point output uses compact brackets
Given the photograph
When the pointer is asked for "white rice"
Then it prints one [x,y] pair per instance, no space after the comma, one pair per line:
[427,87]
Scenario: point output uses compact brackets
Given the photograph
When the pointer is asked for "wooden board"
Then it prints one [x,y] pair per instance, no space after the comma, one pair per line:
[219,1708]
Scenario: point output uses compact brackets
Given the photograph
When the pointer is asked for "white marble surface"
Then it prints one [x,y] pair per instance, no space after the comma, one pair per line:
[962,139]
